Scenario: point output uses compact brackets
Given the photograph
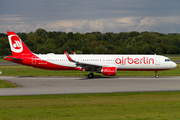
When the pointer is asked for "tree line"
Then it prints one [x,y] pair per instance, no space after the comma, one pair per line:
[133,42]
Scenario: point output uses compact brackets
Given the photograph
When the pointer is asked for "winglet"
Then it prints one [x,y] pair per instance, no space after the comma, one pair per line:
[74,53]
[69,58]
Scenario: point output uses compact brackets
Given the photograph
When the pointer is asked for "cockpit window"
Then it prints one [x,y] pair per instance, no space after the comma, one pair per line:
[167,60]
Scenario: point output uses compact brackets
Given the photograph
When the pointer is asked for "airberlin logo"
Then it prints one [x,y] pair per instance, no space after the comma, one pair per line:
[15,43]
[143,60]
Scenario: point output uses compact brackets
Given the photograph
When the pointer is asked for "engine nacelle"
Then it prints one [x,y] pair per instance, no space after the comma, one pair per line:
[109,71]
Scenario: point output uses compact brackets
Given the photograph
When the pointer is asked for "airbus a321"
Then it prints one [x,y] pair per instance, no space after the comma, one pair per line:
[105,64]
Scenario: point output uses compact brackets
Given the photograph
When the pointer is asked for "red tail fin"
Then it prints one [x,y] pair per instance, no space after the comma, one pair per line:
[17,45]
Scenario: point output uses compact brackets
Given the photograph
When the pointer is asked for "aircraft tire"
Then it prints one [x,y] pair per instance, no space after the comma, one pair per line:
[90,75]
[156,76]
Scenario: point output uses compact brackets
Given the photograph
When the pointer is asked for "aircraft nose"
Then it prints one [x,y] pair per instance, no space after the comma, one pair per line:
[174,65]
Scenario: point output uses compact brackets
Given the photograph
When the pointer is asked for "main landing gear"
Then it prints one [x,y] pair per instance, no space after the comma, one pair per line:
[90,75]
[156,76]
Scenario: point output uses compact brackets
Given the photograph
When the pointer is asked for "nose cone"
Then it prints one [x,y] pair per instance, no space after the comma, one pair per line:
[174,65]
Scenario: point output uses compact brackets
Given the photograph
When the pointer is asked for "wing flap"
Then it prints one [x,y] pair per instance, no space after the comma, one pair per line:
[87,64]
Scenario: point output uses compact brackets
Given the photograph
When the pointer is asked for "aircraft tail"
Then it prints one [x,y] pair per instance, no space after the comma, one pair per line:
[18,48]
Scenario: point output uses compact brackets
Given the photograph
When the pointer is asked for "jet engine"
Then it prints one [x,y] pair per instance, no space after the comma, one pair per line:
[109,71]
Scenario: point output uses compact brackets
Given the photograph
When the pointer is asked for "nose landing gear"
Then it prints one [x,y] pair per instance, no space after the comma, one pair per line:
[156,76]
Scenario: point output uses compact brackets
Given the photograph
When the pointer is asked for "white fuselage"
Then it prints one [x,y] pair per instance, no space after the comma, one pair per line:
[121,62]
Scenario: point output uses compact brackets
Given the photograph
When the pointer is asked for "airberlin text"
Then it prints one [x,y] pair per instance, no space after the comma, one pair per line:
[143,60]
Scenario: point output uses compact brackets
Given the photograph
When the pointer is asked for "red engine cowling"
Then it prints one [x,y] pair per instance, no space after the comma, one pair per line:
[109,71]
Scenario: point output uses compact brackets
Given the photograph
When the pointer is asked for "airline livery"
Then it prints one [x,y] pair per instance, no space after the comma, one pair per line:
[105,64]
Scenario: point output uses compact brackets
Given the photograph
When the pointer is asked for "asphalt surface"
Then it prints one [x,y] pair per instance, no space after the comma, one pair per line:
[8,63]
[77,85]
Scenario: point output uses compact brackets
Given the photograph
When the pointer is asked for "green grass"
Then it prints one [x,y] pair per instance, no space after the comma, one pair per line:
[5,84]
[28,71]
[114,106]
[2,60]
[174,58]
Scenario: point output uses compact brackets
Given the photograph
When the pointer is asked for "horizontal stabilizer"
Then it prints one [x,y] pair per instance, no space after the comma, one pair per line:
[13,58]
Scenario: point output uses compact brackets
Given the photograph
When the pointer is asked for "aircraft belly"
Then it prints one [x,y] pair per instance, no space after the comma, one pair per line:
[140,67]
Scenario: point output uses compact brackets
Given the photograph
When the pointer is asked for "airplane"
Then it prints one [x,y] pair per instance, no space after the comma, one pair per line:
[106,64]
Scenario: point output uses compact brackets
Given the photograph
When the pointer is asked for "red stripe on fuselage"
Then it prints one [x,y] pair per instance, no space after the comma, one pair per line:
[40,64]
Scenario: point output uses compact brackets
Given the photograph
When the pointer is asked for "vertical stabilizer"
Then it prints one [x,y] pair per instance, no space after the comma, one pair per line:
[17,45]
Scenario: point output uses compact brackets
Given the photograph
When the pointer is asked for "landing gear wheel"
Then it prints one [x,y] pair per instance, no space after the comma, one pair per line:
[91,75]
[156,76]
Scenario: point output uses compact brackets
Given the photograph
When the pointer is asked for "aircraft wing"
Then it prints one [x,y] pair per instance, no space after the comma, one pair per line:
[83,64]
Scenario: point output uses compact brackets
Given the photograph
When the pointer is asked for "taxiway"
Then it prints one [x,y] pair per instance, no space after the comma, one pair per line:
[78,85]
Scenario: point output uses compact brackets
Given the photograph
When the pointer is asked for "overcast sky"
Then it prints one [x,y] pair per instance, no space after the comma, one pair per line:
[90,15]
